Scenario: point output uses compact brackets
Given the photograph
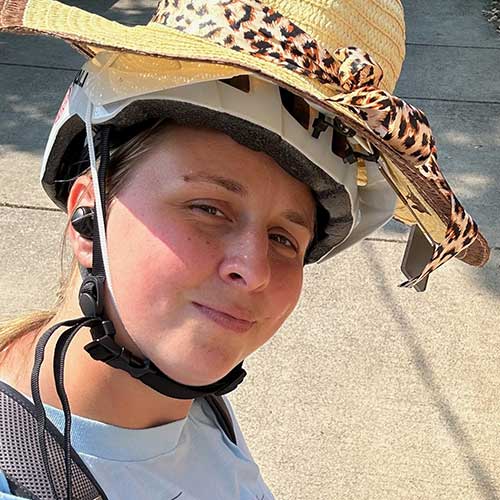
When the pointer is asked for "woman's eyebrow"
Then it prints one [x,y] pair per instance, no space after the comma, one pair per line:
[298,218]
[225,182]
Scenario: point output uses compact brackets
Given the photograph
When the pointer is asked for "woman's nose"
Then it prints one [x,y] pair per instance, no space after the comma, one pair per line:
[246,262]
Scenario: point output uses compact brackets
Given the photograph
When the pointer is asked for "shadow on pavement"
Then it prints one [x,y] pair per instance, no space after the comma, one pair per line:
[483,480]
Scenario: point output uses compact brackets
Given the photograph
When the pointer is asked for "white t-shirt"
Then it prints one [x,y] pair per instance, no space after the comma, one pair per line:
[191,459]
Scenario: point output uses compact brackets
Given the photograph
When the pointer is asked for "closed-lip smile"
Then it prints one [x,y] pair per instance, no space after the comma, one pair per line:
[237,321]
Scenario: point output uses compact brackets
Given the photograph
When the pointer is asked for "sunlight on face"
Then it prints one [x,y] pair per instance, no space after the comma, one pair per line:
[206,247]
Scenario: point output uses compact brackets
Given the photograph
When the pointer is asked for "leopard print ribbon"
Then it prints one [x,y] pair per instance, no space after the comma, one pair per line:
[256,29]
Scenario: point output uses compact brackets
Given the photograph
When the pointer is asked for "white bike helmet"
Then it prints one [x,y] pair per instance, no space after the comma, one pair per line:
[253,111]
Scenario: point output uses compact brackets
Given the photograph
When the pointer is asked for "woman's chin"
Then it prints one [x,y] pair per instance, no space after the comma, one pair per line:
[199,373]
[197,379]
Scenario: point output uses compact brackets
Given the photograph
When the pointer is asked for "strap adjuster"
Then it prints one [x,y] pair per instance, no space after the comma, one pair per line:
[104,348]
[91,296]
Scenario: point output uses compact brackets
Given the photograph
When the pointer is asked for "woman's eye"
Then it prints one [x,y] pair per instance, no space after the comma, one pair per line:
[283,240]
[209,209]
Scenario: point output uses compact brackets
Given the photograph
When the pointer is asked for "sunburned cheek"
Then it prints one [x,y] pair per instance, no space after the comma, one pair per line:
[149,294]
[186,252]
[163,263]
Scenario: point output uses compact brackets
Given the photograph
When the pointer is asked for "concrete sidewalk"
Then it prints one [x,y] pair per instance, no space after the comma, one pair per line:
[369,391]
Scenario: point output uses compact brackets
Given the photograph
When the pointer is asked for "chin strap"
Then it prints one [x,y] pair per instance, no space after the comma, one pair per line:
[104,348]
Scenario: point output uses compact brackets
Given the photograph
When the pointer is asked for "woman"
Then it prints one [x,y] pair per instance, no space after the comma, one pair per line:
[245,224]
[196,192]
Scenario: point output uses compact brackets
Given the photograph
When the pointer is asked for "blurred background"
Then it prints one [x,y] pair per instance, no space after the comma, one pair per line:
[369,391]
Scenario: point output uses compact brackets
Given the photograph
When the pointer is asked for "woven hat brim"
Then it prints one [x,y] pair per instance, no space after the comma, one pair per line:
[91,34]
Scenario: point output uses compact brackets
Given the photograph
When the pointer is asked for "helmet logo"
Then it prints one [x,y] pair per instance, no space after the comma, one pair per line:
[80,78]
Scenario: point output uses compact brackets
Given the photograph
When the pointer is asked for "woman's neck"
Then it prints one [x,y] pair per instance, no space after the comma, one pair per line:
[95,390]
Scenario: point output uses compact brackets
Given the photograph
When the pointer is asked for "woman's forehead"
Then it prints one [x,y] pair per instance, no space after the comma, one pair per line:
[209,156]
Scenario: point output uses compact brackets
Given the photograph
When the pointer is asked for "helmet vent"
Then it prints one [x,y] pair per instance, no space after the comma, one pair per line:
[241,82]
[297,107]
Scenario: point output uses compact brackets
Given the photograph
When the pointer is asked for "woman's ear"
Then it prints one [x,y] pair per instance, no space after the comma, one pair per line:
[80,195]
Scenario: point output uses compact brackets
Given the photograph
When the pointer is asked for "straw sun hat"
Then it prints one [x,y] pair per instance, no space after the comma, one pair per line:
[342,58]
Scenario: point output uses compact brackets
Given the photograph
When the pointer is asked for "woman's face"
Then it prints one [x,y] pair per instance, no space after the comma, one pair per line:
[206,247]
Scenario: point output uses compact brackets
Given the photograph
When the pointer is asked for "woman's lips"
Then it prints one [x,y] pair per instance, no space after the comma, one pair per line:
[225,320]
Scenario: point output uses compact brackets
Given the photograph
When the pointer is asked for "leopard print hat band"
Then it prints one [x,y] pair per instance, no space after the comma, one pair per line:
[250,26]
[345,82]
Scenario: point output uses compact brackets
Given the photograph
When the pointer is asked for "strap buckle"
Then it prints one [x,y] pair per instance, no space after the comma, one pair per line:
[104,348]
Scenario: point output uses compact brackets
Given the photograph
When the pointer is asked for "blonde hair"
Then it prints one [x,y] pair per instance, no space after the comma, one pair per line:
[122,161]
